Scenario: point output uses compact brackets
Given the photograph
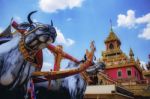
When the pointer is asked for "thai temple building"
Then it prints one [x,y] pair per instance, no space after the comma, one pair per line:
[123,76]
[119,66]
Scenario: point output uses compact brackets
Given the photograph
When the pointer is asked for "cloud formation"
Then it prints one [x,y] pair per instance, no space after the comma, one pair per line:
[127,20]
[60,39]
[131,21]
[51,6]
[143,65]
[145,33]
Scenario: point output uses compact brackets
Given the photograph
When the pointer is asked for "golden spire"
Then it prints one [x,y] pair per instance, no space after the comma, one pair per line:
[138,61]
[131,54]
[112,36]
[111,29]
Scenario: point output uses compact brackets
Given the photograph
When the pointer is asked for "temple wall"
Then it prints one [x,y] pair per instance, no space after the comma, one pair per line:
[113,73]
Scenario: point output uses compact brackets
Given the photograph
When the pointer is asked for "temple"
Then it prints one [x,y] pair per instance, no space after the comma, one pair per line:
[119,66]
[123,74]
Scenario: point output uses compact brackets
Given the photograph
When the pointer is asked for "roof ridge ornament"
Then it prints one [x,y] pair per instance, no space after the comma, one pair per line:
[111,29]
[131,52]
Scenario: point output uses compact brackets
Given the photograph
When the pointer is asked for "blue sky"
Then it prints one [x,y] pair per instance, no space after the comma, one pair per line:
[80,21]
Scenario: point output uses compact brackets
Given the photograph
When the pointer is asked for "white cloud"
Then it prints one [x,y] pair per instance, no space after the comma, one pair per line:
[51,6]
[126,20]
[130,21]
[145,33]
[143,64]
[60,39]
[143,19]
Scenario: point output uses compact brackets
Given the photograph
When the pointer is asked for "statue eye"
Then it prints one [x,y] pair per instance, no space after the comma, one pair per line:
[44,29]
[52,30]
[40,29]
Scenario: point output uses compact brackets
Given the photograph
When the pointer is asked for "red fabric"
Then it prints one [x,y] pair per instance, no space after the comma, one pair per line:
[15,25]
[39,58]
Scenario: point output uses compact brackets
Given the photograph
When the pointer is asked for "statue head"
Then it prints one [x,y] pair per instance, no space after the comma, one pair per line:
[37,35]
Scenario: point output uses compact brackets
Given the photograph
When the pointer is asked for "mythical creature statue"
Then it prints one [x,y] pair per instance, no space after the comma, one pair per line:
[19,59]
[17,56]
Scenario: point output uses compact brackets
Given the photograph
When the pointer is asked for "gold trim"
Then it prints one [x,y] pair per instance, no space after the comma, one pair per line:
[30,57]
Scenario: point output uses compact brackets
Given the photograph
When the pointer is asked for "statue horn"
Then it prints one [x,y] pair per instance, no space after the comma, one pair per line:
[51,23]
[29,17]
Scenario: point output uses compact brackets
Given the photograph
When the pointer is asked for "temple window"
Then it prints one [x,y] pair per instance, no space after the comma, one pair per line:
[129,72]
[119,73]
[111,46]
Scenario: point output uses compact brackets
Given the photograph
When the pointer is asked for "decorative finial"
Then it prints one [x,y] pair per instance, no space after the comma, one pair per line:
[111,26]
[138,61]
[131,54]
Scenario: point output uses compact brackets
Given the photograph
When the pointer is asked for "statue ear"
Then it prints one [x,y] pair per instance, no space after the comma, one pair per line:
[14,24]
[24,26]
[21,28]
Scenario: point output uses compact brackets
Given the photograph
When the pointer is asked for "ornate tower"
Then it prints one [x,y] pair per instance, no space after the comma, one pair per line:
[131,54]
[113,51]
[112,42]
[118,66]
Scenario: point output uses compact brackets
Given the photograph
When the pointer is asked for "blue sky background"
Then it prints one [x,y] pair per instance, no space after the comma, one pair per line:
[80,21]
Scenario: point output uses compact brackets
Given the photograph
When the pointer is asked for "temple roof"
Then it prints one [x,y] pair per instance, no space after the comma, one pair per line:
[131,52]
[6,32]
[112,37]
[6,35]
